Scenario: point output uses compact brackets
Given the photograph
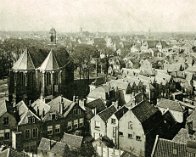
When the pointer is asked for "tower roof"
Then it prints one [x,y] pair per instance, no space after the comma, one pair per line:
[24,62]
[50,63]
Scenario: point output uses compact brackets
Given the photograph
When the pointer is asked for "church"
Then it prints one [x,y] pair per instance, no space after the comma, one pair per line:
[42,74]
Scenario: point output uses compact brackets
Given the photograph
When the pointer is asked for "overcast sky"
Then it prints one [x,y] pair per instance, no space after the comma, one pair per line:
[98,15]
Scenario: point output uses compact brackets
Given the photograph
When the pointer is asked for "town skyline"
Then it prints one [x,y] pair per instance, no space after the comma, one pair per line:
[107,16]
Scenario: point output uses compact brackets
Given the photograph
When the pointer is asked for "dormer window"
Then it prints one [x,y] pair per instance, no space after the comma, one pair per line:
[53,116]
[33,119]
[5,121]
[29,120]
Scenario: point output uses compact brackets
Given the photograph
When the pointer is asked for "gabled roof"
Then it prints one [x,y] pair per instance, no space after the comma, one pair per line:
[107,113]
[168,148]
[24,112]
[169,104]
[47,145]
[182,136]
[41,106]
[97,103]
[56,102]
[50,63]
[24,62]
[3,107]
[148,115]
[9,152]
[121,112]
[72,141]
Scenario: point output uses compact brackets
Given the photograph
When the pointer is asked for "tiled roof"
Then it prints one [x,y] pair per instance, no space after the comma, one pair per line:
[98,104]
[42,106]
[168,148]
[55,103]
[121,112]
[119,83]
[72,141]
[149,116]
[107,113]
[182,136]
[47,145]
[24,112]
[169,104]
[50,63]
[24,62]
[3,107]
[9,152]
[100,92]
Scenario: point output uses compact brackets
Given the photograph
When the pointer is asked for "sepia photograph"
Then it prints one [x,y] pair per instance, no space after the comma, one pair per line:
[97,78]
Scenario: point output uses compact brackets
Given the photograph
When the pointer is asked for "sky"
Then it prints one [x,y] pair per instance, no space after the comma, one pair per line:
[98,15]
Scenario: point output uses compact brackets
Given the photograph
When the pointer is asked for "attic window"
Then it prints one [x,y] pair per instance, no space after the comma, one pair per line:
[175,151]
[113,121]
[53,116]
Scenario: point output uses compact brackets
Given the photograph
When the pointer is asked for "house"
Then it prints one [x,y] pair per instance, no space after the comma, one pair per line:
[8,122]
[10,152]
[29,128]
[98,123]
[138,128]
[94,107]
[52,148]
[170,148]
[74,142]
[40,107]
[113,125]
[174,107]
[64,116]
[191,123]
[104,92]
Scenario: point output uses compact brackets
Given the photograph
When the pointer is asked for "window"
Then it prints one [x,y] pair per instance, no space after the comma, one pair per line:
[35,133]
[75,111]
[130,125]
[5,121]
[33,119]
[97,125]
[76,124]
[175,151]
[7,135]
[113,121]
[79,111]
[69,126]
[114,131]
[29,120]
[120,133]
[1,134]
[27,134]
[53,116]
[138,138]
[50,130]
[81,122]
[130,136]
[57,128]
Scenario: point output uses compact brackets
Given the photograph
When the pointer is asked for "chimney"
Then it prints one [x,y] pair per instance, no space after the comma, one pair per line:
[29,102]
[95,111]
[43,113]
[74,98]
[37,110]
[85,102]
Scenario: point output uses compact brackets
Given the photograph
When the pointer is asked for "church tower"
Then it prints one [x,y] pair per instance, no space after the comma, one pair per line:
[53,37]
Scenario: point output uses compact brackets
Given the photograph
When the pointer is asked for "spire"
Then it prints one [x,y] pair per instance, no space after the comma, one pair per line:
[24,62]
[50,63]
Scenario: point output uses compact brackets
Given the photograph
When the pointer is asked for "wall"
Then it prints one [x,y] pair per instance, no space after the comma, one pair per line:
[96,132]
[110,130]
[131,144]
